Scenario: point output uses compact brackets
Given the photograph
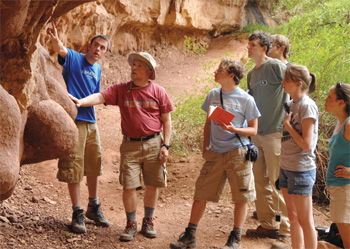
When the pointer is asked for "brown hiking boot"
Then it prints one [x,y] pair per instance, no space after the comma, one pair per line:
[129,232]
[261,232]
[186,240]
[78,221]
[233,241]
[148,228]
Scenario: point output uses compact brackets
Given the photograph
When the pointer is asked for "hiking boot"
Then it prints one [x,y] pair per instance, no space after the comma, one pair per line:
[94,213]
[186,240]
[129,231]
[148,228]
[261,232]
[78,224]
[233,241]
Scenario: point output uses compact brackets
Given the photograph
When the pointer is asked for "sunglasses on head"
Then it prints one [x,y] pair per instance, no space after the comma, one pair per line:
[340,92]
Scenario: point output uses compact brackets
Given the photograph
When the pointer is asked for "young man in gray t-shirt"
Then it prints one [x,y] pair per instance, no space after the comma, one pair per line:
[264,83]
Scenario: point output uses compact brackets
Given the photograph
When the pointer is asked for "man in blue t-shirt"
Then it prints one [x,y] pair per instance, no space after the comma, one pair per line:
[82,76]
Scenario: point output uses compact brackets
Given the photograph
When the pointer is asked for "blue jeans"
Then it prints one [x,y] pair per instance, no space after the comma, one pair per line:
[297,182]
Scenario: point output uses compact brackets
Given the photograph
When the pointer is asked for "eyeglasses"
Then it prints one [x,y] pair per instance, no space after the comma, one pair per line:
[340,92]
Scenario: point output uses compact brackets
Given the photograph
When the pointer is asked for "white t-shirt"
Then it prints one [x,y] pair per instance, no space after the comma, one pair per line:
[293,157]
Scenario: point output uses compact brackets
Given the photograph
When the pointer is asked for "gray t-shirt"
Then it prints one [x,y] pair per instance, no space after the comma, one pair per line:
[265,86]
[293,157]
[242,105]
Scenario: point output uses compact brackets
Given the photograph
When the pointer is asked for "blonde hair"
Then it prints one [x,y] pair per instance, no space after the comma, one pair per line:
[295,73]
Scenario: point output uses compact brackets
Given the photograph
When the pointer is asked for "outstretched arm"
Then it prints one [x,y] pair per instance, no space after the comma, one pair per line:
[57,44]
[93,99]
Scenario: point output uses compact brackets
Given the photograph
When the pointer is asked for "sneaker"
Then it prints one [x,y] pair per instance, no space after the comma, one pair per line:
[129,231]
[78,223]
[148,228]
[94,213]
[186,240]
[233,241]
[261,232]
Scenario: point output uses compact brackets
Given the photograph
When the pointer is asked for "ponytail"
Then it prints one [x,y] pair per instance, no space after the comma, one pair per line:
[312,85]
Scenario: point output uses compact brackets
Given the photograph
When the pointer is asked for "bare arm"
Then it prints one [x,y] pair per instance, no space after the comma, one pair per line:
[304,141]
[93,99]
[167,129]
[206,134]
[57,44]
[251,130]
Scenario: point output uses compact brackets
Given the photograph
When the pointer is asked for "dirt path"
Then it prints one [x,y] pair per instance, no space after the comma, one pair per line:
[38,213]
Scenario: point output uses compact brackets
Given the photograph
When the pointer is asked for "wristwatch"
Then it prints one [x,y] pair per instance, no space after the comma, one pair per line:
[167,146]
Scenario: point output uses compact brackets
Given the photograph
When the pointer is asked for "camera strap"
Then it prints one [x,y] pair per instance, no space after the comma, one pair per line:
[223,107]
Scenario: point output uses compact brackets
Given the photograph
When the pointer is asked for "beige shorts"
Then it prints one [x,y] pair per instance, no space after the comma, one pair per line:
[141,159]
[218,168]
[86,158]
[340,203]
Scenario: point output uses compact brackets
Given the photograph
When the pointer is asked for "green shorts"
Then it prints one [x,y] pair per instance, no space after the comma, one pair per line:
[218,168]
[86,157]
[141,158]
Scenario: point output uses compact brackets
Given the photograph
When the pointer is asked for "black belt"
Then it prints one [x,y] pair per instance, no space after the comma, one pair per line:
[138,139]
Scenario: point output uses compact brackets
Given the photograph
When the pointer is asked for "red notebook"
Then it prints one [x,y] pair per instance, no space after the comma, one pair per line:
[216,113]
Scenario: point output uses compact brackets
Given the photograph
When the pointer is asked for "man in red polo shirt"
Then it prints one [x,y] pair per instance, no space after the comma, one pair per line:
[145,112]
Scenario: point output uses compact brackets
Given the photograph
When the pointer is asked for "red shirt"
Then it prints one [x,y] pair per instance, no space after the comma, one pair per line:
[140,109]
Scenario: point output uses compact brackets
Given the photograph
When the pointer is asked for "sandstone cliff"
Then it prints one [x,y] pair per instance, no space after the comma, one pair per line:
[36,122]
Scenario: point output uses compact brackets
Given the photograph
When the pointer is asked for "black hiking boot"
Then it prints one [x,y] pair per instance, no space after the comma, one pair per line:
[148,228]
[186,240]
[78,223]
[94,213]
[233,241]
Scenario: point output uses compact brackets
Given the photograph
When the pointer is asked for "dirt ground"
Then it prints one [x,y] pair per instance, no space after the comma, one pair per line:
[39,212]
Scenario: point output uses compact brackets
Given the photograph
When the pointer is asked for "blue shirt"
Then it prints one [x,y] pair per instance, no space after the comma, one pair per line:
[82,79]
[339,154]
[242,105]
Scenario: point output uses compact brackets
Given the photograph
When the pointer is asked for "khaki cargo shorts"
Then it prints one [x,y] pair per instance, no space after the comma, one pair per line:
[218,168]
[140,159]
[86,158]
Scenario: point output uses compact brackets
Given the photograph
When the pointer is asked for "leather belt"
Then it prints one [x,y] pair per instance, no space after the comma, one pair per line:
[140,139]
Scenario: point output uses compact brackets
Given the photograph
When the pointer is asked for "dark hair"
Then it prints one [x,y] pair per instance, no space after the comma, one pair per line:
[102,37]
[265,39]
[295,73]
[342,91]
[282,41]
[235,67]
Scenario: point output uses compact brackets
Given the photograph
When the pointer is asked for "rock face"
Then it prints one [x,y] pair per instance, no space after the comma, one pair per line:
[37,121]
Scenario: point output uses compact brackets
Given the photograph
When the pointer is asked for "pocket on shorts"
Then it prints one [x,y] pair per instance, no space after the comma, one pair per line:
[304,181]
[245,180]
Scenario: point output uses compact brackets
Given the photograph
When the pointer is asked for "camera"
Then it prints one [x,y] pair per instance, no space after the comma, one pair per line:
[286,108]
[252,153]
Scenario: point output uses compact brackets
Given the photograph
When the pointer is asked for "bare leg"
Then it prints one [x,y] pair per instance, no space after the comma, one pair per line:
[296,231]
[197,211]
[74,192]
[151,196]
[92,186]
[130,200]
[240,214]
[344,230]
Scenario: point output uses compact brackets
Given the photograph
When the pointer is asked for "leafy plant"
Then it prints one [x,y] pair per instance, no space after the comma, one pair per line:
[195,45]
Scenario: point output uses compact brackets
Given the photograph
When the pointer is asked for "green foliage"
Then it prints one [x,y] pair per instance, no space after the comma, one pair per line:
[195,45]
[188,123]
